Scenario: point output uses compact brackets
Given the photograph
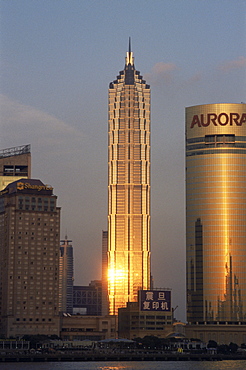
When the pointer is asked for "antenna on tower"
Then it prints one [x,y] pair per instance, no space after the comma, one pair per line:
[129,54]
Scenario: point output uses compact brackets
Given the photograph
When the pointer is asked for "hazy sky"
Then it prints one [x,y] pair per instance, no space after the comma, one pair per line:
[57,59]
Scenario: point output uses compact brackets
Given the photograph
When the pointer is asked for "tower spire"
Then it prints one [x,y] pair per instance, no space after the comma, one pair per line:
[129,55]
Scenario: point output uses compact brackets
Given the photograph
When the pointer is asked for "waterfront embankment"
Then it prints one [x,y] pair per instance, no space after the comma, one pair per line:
[83,357]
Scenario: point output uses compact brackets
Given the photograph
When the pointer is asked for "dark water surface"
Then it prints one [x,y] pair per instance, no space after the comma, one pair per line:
[144,365]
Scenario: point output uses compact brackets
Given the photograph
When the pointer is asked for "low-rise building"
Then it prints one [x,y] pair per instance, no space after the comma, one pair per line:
[151,315]
[220,333]
[14,345]
[94,328]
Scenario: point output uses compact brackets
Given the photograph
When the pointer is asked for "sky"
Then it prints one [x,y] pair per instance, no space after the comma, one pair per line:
[57,60]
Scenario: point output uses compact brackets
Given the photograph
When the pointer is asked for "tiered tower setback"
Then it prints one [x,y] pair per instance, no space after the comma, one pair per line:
[128,186]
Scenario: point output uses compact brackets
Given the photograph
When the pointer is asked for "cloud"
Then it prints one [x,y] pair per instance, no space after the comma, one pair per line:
[160,73]
[233,64]
[22,124]
[193,80]
[163,68]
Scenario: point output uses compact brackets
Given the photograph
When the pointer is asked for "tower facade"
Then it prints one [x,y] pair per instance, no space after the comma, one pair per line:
[128,186]
[29,263]
[216,213]
[15,163]
[66,277]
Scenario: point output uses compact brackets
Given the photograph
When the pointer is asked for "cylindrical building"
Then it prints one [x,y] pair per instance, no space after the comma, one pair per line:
[216,212]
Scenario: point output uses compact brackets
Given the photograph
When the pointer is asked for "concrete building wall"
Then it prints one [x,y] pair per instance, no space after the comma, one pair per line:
[78,327]
[29,264]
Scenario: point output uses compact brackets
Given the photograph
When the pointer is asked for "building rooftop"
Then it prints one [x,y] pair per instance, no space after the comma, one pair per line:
[17,150]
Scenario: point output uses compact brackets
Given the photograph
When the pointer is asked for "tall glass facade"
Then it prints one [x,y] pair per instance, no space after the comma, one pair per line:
[128,187]
[216,212]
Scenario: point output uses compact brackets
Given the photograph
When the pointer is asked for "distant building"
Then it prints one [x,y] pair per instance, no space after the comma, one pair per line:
[128,186]
[66,277]
[15,163]
[87,300]
[29,264]
[105,302]
[216,214]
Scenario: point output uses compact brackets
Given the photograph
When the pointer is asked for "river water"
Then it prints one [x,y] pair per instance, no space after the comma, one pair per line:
[144,365]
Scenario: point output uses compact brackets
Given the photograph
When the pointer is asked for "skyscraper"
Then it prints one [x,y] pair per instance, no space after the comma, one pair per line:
[128,186]
[29,264]
[216,213]
[15,163]
[66,277]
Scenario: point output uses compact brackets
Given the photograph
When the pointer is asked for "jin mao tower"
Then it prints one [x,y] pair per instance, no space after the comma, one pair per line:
[128,186]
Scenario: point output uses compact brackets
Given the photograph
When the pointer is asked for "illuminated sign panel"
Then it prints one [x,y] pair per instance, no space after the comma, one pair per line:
[155,300]
[221,119]
[22,186]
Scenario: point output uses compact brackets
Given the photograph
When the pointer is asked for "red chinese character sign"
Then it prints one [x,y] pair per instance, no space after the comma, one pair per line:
[155,300]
